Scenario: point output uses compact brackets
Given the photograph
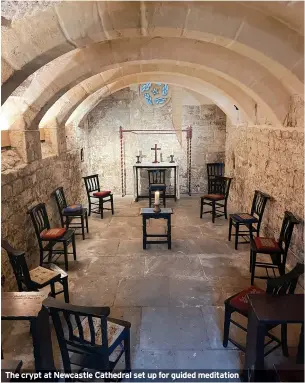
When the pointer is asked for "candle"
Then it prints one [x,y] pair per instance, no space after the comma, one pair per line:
[157,197]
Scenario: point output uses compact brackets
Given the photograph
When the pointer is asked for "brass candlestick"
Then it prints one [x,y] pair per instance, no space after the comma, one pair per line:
[171,158]
[157,208]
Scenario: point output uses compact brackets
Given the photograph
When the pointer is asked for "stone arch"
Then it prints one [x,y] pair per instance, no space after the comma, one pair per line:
[270,35]
[24,104]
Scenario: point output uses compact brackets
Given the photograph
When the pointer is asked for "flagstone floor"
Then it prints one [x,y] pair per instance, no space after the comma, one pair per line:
[173,298]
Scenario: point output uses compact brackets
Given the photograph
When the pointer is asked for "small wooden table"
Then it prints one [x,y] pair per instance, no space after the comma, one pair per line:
[165,213]
[269,310]
[28,306]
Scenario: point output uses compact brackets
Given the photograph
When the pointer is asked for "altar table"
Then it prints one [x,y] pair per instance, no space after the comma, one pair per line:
[161,165]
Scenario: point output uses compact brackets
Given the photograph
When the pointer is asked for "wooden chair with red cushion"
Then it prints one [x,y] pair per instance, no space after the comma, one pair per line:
[277,250]
[48,238]
[96,196]
[37,278]
[217,197]
[282,285]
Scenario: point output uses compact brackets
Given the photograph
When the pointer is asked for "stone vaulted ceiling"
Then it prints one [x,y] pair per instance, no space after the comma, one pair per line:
[59,59]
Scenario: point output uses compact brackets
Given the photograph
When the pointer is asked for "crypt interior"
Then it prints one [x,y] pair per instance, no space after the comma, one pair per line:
[90,87]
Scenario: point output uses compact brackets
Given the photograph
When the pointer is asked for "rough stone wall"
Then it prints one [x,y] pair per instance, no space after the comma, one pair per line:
[127,109]
[270,160]
[30,184]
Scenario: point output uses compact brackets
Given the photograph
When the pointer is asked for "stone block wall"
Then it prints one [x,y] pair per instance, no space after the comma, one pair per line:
[270,160]
[29,184]
[126,108]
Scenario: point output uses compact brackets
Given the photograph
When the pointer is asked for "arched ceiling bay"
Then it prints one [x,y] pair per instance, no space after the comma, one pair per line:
[46,84]
[198,80]
[267,33]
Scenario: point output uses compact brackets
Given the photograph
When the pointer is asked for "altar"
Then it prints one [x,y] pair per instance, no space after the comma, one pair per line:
[161,165]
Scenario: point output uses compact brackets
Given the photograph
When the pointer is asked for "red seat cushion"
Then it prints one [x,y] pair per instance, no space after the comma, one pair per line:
[102,193]
[240,301]
[214,197]
[53,233]
[266,244]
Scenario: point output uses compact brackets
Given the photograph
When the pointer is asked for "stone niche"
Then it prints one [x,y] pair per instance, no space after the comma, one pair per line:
[129,109]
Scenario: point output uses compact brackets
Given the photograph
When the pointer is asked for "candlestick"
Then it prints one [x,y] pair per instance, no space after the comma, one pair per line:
[171,158]
[157,197]
[138,160]
[157,208]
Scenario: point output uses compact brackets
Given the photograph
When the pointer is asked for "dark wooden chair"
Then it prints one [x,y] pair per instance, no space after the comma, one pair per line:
[251,222]
[48,238]
[88,338]
[277,250]
[96,197]
[282,285]
[214,169]
[13,366]
[156,181]
[35,279]
[70,212]
[217,199]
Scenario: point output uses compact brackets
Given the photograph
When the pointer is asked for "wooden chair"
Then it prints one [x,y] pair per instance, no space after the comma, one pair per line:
[69,212]
[94,194]
[218,198]
[282,285]
[214,169]
[156,181]
[35,279]
[48,238]
[96,341]
[277,250]
[251,221]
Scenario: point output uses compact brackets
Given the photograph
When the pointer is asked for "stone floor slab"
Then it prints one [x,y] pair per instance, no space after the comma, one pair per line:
[172,328]
[173,265]
[143,292]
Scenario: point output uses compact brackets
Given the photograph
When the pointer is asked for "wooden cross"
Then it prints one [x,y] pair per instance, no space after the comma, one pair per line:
[155,149]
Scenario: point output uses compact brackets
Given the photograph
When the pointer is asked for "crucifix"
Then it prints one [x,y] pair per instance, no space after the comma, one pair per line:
[155,149]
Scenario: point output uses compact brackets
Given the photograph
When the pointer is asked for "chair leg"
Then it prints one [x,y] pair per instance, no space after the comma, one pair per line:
[253,267]
[284,339]
[213,211]
[65,286]
[83,226]
[225,210]
[89,207]
[87,226]
[66,256]
[250,268]
[164,202]
[127,351]
[52,287]
[149,196]
[74,247]
[230,229]
[226,328]
[236,235]
[112,207]
[201,207]
[101,206]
